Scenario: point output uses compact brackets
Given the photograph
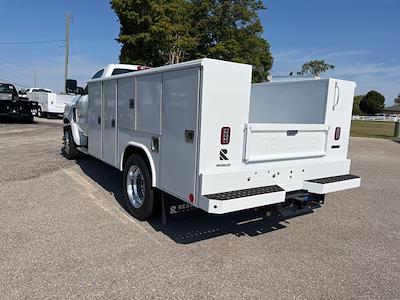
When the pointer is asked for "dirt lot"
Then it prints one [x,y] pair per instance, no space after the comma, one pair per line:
[64,234]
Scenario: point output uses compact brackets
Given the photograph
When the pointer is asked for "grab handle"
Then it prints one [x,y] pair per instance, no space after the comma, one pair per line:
[337,95]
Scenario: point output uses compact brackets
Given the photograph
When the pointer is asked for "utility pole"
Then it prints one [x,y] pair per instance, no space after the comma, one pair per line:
[34,79]
[68,20]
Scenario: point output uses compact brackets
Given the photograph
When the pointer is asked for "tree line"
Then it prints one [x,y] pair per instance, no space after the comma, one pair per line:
[160,32]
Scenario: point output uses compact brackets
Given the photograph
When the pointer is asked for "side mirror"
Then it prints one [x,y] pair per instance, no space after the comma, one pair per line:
[79,90]
[71,86]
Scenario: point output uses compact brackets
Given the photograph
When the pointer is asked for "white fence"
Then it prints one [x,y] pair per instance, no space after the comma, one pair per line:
[377,118]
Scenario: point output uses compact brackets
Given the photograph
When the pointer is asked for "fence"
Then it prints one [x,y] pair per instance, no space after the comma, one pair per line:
[377,118]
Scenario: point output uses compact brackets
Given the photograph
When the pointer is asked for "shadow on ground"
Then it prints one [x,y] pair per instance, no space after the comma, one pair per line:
[14,120]
[196,225]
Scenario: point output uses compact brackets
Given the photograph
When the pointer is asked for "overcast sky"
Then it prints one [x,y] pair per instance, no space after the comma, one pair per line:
[360,37]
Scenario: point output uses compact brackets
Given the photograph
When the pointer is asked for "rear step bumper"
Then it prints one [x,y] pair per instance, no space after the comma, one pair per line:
[231,201]
[332,184]
[243,199]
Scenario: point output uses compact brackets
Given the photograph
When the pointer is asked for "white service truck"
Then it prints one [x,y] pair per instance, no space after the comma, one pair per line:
[49,103]
[203,133]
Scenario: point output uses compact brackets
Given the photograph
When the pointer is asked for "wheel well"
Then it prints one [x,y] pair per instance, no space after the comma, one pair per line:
[139,151]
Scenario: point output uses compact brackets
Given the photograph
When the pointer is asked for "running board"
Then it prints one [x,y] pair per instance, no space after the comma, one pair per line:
[225,202]
[332,184]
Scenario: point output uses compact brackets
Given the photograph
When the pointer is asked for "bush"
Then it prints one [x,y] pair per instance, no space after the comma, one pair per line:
[372,103]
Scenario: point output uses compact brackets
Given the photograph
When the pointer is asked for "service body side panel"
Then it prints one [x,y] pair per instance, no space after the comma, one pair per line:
[94,115]
[126,103]
[148,103]
[179,131]
[109,121]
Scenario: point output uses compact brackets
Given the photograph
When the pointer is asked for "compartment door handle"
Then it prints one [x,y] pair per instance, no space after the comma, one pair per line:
[336,96]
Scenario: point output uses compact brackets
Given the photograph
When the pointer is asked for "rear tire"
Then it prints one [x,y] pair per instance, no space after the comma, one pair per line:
[138,192]
[69,149]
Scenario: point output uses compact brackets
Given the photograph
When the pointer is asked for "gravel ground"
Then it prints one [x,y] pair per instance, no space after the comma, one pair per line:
[64,234]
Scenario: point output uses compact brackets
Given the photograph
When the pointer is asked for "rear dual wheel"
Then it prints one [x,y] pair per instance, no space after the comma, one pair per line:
[138,192]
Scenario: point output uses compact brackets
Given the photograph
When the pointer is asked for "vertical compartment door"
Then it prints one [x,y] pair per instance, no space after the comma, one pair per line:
[109,137]
[95,118]
[179,132]
[126,103]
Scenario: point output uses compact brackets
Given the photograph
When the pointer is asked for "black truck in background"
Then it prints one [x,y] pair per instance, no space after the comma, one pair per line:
[12,106]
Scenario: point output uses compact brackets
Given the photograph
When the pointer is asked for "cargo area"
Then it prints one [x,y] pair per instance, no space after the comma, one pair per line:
[287,120]
[295,139]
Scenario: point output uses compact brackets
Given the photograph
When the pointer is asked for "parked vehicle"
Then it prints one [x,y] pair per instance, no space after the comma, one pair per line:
[49,103]
[201,132]
[38,90]
[11,105]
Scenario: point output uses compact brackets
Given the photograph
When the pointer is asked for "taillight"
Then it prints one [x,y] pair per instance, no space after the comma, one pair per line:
[337,133]
[225,135]
[191,198]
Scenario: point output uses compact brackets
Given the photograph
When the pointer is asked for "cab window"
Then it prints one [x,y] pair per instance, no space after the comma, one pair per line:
[119,71]
[98,74]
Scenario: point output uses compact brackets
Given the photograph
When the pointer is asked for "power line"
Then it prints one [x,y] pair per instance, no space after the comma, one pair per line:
[14,83]
[31,42]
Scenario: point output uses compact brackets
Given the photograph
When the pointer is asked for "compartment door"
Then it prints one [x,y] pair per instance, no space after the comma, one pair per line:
[179,132]
[273,142]
[109,136]
[126,103]
[94,116]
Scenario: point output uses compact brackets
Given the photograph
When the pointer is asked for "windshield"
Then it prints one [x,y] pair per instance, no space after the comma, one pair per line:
[7,89]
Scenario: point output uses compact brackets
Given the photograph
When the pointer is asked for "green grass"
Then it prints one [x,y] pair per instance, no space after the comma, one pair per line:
[374,129]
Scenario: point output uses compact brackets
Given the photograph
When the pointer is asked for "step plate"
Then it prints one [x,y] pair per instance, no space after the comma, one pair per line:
[226,202]
[245,193]
[332,184]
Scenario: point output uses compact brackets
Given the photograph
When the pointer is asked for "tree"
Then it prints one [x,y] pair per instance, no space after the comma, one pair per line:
[356,105]
[315,68]
[170,31]
[372,103]
[153,32]
[397,99]
[231,30]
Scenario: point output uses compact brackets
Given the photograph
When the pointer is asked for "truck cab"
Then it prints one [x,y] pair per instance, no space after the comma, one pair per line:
[11,105]
[75,113]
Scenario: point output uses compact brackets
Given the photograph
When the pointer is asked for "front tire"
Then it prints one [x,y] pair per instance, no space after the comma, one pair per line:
[39,113]
[70,151]
[138,192]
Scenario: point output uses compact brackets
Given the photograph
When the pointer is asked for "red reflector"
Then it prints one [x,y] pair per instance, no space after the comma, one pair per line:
[337,133]
[225,135]
[191,198]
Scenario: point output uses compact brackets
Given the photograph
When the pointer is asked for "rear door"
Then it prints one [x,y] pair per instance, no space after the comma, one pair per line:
[179,131]
[272,142]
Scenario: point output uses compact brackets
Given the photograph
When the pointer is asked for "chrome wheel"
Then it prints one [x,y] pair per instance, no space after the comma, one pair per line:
[135,186]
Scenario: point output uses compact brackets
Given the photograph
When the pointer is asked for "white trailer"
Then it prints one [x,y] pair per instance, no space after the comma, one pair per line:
[201,132]
[49,103]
